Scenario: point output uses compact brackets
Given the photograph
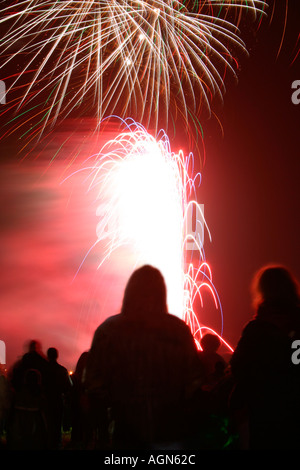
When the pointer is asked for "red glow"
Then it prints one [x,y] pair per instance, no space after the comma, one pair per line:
[47,229]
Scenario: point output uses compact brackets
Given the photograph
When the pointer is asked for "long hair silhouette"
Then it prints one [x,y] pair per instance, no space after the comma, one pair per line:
[145,293]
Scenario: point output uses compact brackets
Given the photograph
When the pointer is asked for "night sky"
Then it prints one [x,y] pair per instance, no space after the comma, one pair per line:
[251,178]
[250,190]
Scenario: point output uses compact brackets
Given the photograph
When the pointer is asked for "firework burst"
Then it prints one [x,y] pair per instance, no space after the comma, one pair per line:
[153,60]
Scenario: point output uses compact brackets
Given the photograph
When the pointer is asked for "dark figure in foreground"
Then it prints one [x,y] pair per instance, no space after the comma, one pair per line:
[265,400]
[58,392]
[142,367]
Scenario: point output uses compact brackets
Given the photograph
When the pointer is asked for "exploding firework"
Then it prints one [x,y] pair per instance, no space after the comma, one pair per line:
[144,198]
[153,60]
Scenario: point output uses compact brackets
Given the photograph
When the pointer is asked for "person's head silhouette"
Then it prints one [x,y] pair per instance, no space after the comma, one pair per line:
[52,354]
[275,284]
[210,343]
[145,293]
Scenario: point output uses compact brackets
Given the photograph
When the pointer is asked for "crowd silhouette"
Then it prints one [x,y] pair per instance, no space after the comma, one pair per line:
[144,384]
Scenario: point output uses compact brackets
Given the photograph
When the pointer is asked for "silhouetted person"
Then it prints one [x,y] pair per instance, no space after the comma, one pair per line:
[58,391]
[4,401]
[32,359]
[266,397]
[142,367]
[212,362]
[81,429]
[27,423]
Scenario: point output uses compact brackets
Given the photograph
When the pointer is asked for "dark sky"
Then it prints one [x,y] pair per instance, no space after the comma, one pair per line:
[251,177]
[250,189]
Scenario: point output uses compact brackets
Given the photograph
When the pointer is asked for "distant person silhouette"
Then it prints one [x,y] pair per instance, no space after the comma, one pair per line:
[213,363]
[266,396]
[142,366]
[81,429]
[4,401]
[27,422]
[58,391]
[32,359]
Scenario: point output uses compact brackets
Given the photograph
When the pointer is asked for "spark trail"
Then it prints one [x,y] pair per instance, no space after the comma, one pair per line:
[157,61]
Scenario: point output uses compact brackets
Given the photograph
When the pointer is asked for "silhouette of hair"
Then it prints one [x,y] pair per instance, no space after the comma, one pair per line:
[145,293]
[81,363]
[275,284]
[34,346]
[210,343]
[52,354]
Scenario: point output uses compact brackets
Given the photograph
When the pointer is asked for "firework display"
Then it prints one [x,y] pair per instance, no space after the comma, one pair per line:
[157,66]
[160,62]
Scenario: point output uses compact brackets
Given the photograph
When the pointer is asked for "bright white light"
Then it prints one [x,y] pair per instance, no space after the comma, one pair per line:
[145,210]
